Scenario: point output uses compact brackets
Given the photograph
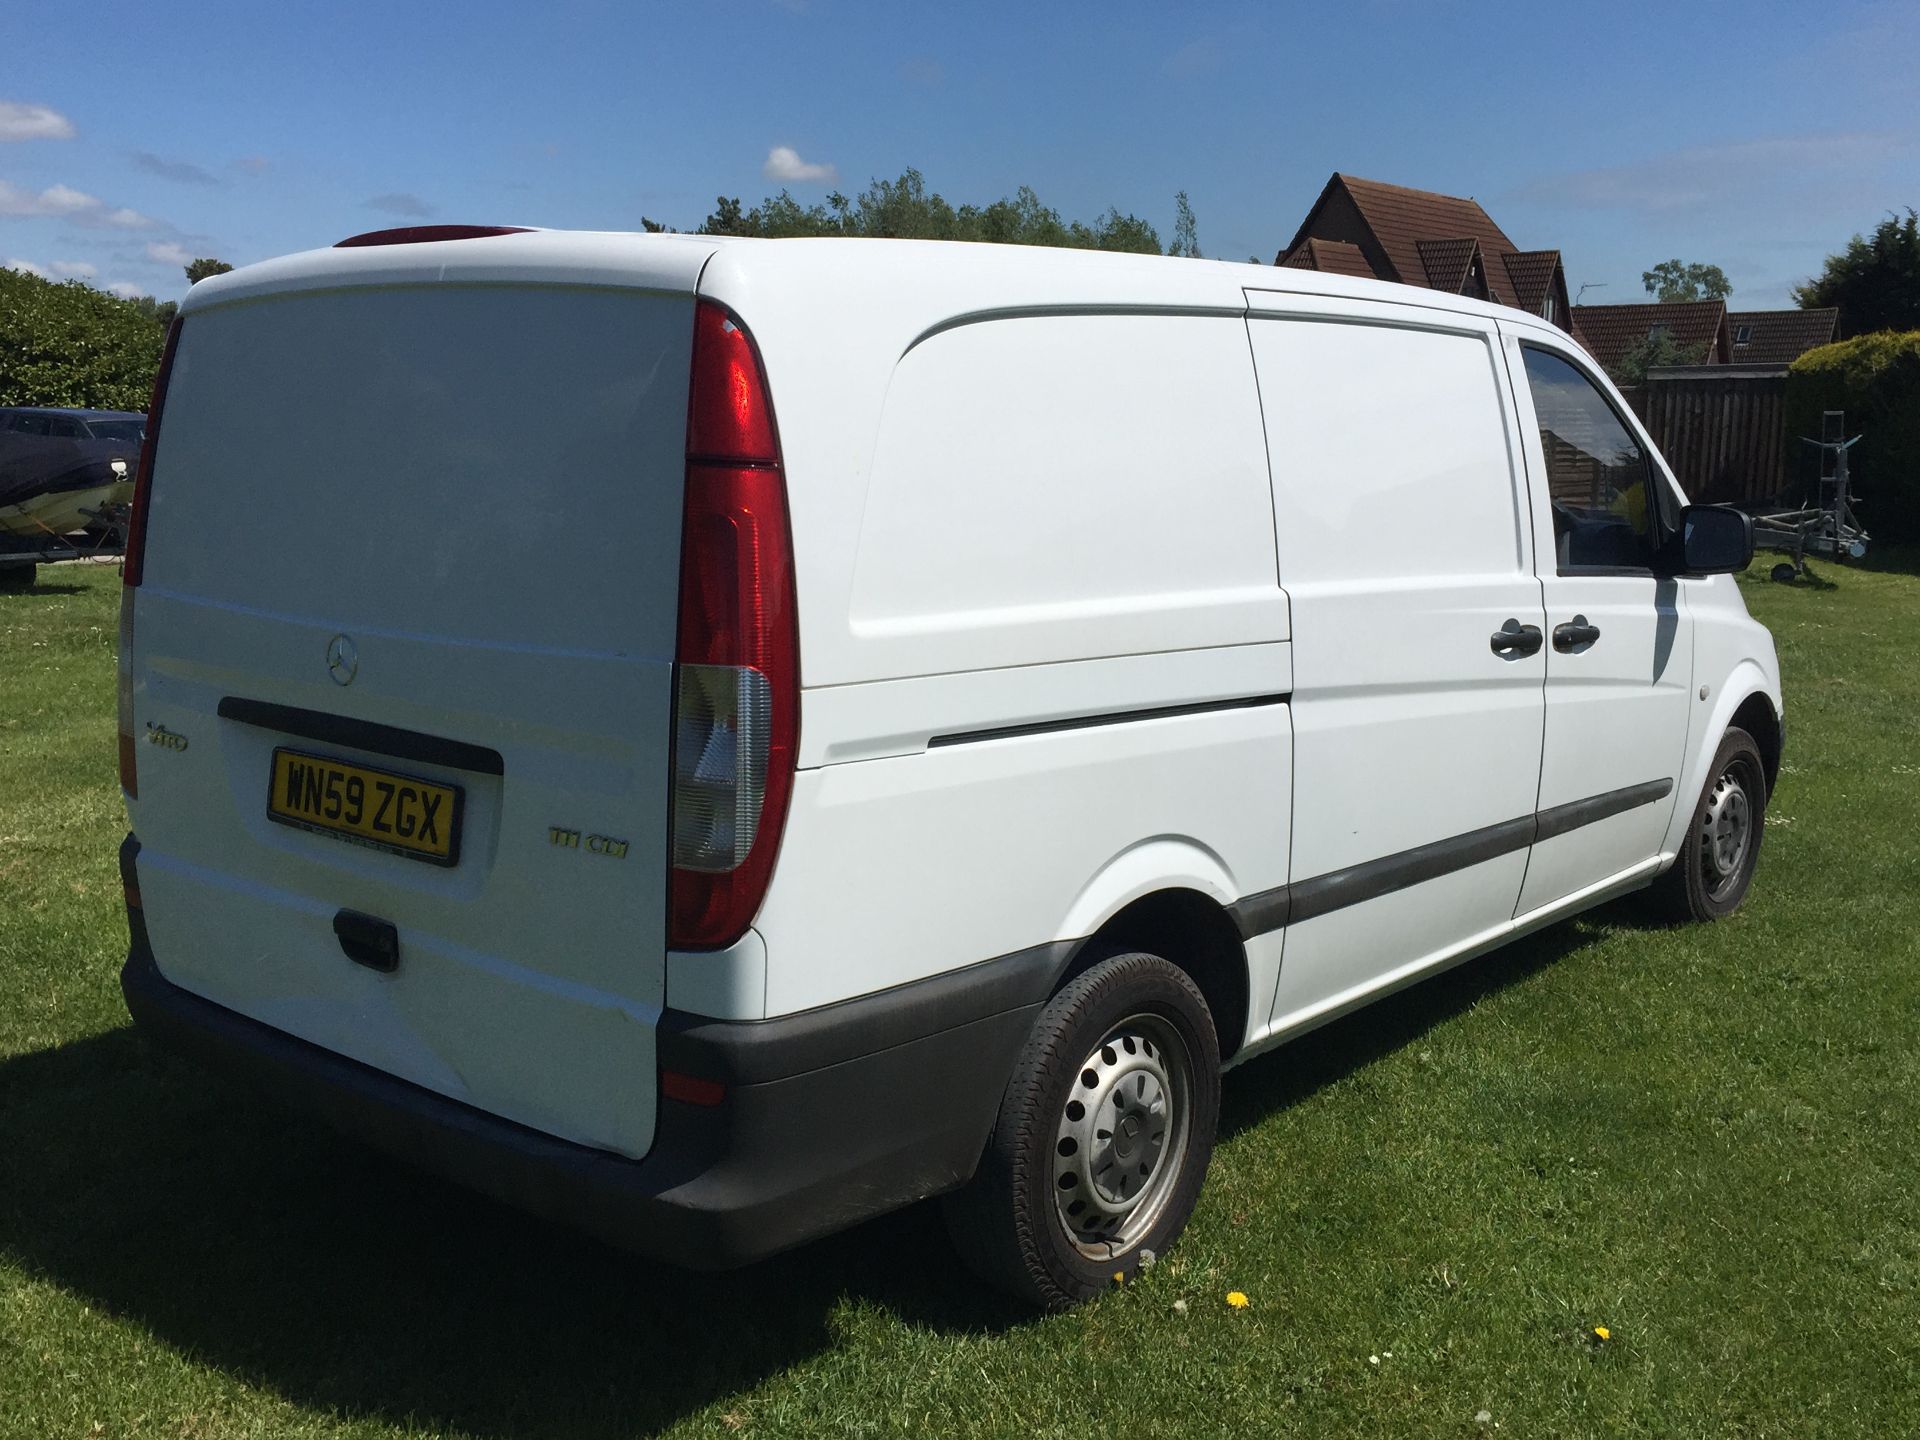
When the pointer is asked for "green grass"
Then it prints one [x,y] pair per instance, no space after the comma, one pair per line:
[1702,1139]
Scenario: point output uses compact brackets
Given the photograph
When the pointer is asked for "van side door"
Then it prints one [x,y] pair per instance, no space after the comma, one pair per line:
[1405,549]
[1620,653]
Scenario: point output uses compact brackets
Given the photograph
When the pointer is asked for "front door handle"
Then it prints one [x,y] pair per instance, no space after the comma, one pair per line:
[1576,634]
[1514,641]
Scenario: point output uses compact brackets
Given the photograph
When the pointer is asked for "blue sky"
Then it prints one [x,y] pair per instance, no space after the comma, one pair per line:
[1755,135]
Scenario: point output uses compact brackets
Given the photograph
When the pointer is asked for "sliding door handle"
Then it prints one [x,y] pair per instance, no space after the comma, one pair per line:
[1514,641]
[1576,634]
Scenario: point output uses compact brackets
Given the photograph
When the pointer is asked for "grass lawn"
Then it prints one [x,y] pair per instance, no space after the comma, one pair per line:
[1704,1140]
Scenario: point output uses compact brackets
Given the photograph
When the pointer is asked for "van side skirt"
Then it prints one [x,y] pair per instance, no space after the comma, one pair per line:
[1337,889]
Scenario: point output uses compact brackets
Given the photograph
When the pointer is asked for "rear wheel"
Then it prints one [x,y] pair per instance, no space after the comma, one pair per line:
[17,577]
[1103,1137]
[1715,866]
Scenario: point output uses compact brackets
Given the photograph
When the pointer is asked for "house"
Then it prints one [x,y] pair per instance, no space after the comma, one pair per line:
[1418,237]
[1609,332]
[1779,337]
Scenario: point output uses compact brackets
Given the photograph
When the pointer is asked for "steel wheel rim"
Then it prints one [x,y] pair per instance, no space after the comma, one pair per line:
[1726,830]
[1120,1141]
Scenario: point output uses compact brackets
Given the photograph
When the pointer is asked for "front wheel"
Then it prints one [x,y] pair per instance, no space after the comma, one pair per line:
[1715,866]
[1103,1137]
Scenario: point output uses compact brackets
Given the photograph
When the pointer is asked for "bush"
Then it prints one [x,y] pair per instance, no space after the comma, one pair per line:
[1876,380]
[73,345]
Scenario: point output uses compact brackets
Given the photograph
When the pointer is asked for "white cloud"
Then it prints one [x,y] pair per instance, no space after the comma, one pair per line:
[401,202]
[125,290]
[65,203]
[168,252]
[27,267]
[32,122]
[184,172]
[784,164]
[73,269]
[1709,177]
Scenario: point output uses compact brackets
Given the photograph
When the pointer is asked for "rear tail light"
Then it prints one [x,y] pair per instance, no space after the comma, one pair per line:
[123,684]
[143,480]
[737,672]
[135,565]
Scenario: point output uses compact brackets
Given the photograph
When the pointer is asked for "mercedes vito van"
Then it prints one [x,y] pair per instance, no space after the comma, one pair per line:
[715,739]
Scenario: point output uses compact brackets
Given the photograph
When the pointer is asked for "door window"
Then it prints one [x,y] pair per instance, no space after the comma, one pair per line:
[1606,502]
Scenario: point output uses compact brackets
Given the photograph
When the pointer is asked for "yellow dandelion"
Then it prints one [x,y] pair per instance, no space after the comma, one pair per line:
[1237,1300]
[1603,1332]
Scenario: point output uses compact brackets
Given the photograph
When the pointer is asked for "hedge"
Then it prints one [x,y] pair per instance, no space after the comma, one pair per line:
[1876,380]
[70,344]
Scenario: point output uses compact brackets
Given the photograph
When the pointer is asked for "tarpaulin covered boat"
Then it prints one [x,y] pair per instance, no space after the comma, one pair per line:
[60,469]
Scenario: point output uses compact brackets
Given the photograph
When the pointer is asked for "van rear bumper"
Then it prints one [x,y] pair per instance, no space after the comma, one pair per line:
[829,1117]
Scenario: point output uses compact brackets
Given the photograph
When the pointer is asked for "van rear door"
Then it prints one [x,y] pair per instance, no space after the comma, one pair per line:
[409,607]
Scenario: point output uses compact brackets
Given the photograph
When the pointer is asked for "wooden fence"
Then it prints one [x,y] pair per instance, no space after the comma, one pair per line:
[1721,427]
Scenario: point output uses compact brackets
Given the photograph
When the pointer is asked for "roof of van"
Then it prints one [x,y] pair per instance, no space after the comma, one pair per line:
[948,279]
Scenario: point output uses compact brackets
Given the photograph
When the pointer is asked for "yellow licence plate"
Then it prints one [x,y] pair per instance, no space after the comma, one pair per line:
[377,808]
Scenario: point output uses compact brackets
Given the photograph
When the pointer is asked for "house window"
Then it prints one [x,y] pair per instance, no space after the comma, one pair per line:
[1742,334]
[1546,311]
[1657,332]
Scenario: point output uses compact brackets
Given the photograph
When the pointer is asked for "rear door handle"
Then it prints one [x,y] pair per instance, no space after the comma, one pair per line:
[1576,634]
[1514,641]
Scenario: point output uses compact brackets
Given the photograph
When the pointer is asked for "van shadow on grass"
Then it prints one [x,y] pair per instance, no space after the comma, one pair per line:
[264,1245]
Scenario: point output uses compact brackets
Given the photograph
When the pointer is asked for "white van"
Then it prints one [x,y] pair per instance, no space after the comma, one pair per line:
[714,739]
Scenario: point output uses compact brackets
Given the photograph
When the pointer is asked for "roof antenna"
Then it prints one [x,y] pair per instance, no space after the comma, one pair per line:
[1590,285]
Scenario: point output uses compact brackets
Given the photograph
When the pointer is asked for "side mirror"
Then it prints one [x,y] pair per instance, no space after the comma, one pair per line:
[1715,540]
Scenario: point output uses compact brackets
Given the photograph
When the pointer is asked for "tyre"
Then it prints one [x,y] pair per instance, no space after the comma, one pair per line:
[1715,866]
[1103,1137]
[1784,574]
[17,577]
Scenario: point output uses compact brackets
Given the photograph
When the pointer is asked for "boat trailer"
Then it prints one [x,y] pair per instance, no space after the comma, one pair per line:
[21,555]
[1830,528]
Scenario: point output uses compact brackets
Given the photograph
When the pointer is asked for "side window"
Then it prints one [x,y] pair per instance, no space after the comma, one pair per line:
[1598,478]
[29,425]
[64,429]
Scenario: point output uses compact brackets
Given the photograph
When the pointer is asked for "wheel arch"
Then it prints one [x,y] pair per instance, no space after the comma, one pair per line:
[1188,928]
[1746,693]
[1757,717]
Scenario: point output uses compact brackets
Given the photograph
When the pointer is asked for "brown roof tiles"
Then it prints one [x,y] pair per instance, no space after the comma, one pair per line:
[1335,257]
[1420,237]
[1446,264]
[1610,331]
[1779,337]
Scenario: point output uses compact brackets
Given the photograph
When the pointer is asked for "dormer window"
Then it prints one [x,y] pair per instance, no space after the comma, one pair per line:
[1742,334]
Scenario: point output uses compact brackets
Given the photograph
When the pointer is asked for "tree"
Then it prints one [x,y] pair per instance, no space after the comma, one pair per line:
[70,344]
[1186,238]
[907,209]
[1876,380]
[201,269]
[1673,280]
[161,312]
[1875,281]
[1659,348]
